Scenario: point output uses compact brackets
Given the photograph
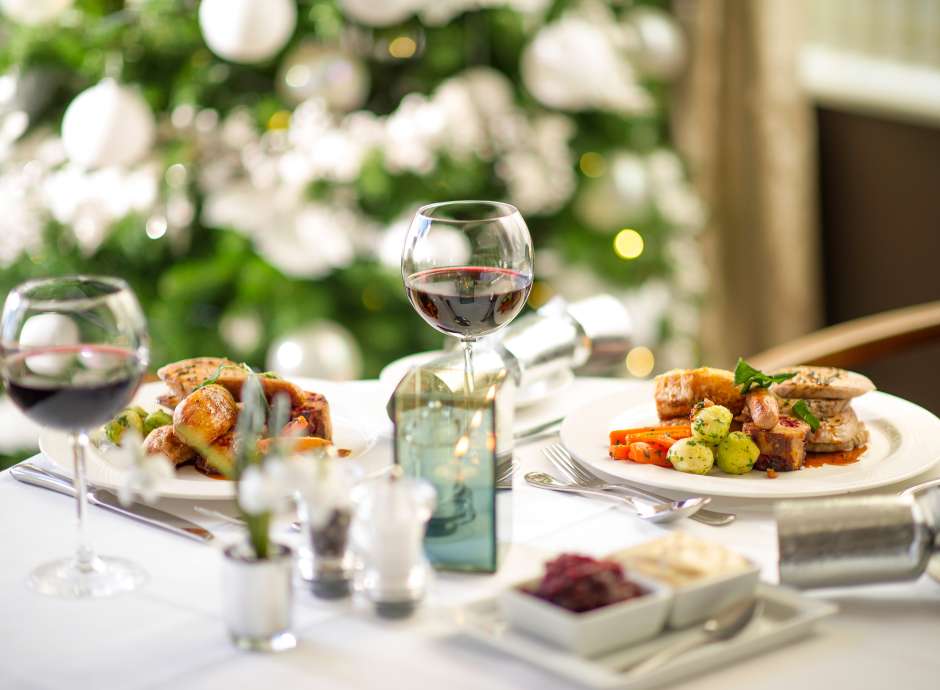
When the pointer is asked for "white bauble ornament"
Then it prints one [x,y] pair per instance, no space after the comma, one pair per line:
[660,46]
[34,12]
[241,331]
[310,71]
[380,12]
[107,125]
[49,330]
[323,350]
[247,30]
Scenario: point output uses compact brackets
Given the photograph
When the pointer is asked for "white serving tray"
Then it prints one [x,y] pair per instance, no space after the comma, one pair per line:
[786,615]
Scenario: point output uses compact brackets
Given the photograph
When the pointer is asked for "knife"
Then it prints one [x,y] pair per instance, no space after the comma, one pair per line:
[103,498]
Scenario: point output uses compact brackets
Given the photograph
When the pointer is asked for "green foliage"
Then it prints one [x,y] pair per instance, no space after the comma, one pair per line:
[187,290]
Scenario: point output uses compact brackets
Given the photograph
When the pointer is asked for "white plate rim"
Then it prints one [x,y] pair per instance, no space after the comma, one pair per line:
[586,421]
[54,446]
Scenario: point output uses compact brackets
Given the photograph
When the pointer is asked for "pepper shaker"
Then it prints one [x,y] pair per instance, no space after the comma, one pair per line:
[388,531]
[329,509]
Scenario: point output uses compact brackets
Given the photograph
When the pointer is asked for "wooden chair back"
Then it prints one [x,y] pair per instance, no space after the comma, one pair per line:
[859,341]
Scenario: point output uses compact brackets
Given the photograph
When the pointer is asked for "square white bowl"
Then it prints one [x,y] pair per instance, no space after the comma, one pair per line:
[698,601]
[604,629]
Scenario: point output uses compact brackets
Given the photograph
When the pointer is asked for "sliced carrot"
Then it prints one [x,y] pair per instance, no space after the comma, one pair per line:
[641,453]
[620,452]
[624,435]
[662,458]
[657,439]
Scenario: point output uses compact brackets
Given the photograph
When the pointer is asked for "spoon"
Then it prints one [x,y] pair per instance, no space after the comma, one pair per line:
[667,511]
[727,623]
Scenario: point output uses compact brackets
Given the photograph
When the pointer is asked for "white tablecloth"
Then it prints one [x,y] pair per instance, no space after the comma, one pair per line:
[169,635]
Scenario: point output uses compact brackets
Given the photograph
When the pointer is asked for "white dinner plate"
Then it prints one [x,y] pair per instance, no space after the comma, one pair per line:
[905,441]
[530,395]
[187,482]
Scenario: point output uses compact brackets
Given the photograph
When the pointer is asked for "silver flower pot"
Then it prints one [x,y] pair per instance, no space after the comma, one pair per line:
[257,598]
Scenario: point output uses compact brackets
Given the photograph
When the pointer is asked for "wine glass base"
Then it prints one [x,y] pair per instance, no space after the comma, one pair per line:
[104,577]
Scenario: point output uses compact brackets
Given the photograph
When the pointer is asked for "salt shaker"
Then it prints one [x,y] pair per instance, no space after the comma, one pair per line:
[857,540]
[388,530]
[329,510]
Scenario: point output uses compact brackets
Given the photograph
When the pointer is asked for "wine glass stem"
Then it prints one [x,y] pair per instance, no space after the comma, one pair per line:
[468,363]
[84,554]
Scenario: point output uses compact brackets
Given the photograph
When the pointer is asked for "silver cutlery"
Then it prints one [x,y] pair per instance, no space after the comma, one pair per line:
[295,525]
[582,476]
[654,512]
[538,431]
[723,626]
[104,498]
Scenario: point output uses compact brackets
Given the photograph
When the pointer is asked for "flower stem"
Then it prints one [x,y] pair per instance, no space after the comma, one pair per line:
[258,533]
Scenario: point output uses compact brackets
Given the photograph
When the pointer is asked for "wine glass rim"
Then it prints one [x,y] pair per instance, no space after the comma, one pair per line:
[501,210]
[23,290]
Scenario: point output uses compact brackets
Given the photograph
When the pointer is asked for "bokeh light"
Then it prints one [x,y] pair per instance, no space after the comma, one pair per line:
[279,120]
[628,244]
[592,164]
[402,47]
[540,294]
[640,361]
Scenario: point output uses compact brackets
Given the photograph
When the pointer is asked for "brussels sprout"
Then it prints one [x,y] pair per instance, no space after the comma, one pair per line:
[711,424]
[737,453]
[155,420]
[141,412]
[689,455]
[127,419]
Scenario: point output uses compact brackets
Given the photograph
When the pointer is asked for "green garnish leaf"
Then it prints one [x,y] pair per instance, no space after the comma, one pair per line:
[218,373]
[748,377]
[212,379]
[801,410]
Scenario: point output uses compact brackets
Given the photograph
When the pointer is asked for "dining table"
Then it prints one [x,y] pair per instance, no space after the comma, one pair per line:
[170,634]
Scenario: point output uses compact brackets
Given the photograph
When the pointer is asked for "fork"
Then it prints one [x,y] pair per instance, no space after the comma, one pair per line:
[584,477]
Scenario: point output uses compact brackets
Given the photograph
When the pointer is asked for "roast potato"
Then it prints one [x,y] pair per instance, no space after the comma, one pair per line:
[204,415]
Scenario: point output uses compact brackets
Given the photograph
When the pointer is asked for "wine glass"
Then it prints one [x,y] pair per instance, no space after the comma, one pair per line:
[72,353]
[467,269]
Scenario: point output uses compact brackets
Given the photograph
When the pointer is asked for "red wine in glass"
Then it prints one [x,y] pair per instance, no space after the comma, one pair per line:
[72,387]
[468,301]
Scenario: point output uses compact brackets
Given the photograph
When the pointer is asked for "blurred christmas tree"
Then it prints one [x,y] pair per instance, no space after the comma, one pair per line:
[250,166]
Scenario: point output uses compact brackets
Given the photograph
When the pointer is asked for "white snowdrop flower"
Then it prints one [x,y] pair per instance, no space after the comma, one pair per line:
[254,491]
[143,473]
